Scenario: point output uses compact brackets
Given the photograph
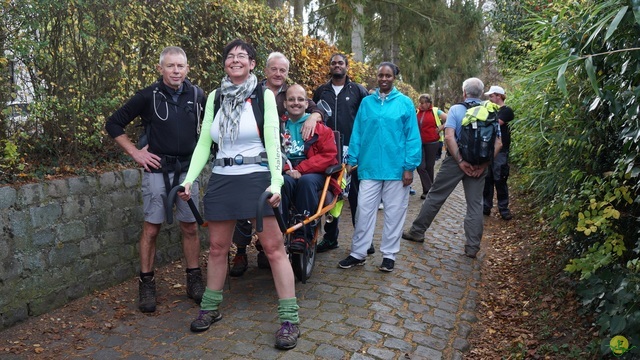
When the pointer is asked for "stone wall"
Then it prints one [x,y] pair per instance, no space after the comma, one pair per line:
[62,239]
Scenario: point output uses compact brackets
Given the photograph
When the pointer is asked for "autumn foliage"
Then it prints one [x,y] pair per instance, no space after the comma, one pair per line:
[86,60]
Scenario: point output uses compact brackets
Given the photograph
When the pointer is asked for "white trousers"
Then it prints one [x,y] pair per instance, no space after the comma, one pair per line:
[395,197]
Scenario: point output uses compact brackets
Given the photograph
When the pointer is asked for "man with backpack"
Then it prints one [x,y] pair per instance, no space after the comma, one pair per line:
[171,112]
[454,169]
[499,170]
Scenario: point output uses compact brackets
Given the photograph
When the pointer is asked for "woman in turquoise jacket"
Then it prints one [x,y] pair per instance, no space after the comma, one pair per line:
[386,147]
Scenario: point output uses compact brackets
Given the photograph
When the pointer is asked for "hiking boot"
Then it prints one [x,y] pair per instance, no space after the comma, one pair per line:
[350,262]
[287,336]
[205,319]
[486,212]
[326,245]
[147,293]
[240,265]
[195,285]
[506,215]
[423,196]
[371,250]
[263,261]
[407,235]
[387,265]
[298,245]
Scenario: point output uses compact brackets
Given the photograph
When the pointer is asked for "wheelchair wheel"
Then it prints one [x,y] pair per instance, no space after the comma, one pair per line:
[303,263]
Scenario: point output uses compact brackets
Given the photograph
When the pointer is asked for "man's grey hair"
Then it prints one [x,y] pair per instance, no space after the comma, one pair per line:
[473,87]
[277,55]
[171,50]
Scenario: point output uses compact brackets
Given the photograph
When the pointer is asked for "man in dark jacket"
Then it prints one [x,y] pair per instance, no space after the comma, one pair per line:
[171,112]
[342,97]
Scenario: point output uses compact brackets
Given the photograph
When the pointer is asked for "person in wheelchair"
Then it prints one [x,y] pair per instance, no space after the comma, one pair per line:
[306,164]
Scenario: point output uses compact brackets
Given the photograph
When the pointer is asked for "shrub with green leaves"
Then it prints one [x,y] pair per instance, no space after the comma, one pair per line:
[576,142]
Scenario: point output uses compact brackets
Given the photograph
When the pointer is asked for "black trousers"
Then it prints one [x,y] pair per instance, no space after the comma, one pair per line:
[497,178]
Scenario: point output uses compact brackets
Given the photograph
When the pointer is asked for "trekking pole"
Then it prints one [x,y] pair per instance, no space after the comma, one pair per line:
[171,199]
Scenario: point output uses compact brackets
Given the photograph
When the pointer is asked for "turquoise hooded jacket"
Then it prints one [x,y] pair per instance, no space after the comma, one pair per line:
[385,139]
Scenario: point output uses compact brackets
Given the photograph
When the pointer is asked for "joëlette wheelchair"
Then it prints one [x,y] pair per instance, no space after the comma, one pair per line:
[302,263]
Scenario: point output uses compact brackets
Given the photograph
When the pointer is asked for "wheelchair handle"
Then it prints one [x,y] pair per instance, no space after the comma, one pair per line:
[260,213]
[171,198]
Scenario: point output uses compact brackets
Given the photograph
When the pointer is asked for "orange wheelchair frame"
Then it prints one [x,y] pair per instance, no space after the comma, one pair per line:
[303,263]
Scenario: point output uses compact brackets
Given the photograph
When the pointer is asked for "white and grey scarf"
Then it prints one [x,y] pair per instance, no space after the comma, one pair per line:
[232,105]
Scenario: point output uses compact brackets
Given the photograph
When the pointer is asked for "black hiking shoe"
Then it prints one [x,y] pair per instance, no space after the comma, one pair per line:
[263,261]
[240,265]
[195,285]
[147,294]
[205,319]
[287,336]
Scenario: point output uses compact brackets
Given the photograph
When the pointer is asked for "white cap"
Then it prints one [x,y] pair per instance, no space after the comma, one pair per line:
[495,90]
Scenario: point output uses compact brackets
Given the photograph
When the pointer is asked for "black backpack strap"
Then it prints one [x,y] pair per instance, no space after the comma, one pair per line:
[257,103]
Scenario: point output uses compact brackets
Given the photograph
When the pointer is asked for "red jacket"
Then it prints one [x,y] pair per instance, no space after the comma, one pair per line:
[321,152]
[428,128]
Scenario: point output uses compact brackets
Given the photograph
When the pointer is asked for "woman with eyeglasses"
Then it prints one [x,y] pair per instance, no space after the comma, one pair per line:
[238,179]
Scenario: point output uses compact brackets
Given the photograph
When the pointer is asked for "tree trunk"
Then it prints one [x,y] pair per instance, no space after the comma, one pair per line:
[275,4]
[357,35]
[298,10]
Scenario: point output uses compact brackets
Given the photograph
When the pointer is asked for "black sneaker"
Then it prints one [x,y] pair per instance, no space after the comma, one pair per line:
[350,262]
[147,293]
[506,215]
[205,319]
[486,212]
[195,285]
[387,265]
[240,265]
[326,245]
[287,336]
[371,250]
[263,261]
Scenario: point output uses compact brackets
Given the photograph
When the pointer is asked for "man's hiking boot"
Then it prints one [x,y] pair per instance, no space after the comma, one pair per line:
[240,265]
[326,245]
[147,293]
[195,285]
[205,319]
[287,336]
[407,235]
[263,261]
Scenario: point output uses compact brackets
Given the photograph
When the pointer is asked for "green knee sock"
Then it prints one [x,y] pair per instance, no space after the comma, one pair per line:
[211,299]
[288,310]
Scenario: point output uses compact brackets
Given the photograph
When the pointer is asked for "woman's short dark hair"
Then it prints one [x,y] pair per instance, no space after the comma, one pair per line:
[392,66]
[238,43]
[343,56]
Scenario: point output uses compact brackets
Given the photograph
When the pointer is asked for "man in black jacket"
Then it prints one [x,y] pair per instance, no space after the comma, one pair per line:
[343,98]
[171,112]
